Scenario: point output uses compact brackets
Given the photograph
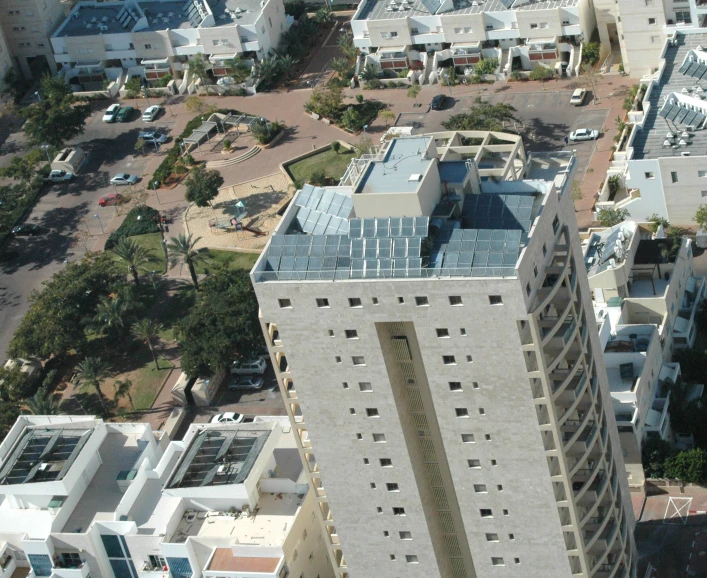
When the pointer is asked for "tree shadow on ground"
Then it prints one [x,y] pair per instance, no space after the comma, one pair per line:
[540,135]
[261,202]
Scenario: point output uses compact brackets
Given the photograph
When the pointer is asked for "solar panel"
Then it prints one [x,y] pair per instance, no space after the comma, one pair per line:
[673,113]
[685,65]
[693,68]
[355,228]
[681,115]
[700,72]
[665,110]
[304,195]
[690,117]
[699,119]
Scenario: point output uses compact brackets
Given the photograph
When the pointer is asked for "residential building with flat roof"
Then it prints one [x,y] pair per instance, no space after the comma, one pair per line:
[433,311]
[81,497]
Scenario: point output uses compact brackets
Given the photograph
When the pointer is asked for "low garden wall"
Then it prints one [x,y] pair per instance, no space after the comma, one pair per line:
[284,166]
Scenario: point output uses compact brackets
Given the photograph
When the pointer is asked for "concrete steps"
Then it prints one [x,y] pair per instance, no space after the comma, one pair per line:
[234,161]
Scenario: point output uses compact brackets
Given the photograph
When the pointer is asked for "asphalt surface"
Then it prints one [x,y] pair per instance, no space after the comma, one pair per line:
[68,213]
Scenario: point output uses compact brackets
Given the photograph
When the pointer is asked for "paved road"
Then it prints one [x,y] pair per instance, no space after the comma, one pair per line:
[64,211]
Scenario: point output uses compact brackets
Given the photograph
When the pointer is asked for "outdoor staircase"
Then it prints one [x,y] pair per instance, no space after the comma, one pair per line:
[505,61]
[235,160]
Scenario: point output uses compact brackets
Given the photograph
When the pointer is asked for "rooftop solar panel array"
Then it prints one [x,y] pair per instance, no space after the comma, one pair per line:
[323,211]
[495,211]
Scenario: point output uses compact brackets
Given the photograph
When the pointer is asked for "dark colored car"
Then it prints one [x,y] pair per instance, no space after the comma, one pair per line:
[28,229]
[438,102]
[124,114]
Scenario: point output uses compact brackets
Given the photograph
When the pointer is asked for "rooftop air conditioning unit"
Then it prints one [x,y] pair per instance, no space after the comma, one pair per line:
[685,154]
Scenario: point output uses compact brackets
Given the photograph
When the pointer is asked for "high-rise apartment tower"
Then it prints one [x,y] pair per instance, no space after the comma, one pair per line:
[435,343]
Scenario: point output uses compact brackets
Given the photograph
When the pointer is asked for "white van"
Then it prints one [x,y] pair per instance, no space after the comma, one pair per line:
[250,367]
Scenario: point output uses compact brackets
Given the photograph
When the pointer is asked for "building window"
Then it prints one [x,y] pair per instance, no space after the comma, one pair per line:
[410,559]
[414,31]
[703,193]
[505,512]
[649,3]
[401,300]
[543,25]
[322,302]
[475,385]
[448,360]
[511,537]
[494,463]
[345,384]
[284,303]
[683,16]
[457,31]
[499,488]
[373,486]
[482,411]
[469,359]
[330,332]
[148,46]
[555,225]
[480,488]
[497,561]
[392,487]
[379,438]
[366,461]
[674,176]
[474,464]
[461,412]
[358,360]
[398,511]
[492,537]
[365,386]
[359,437]
[40,44]
[337,359]
[385,35]
[351,334]
[442,332]
[467,29]
[392,559]
[374,300]
[386,463]
[156,561]
[352,410]
[649,175]
[179,567]
[421,301]
[405,535]
[455,300]
[455,386]
[487,437]
[516,560]
[393,34]
[533,26]
[269,21]
[372,412]
[495,300]
[702,174]
[355,302]
[486,513]
[41,564]
[468,438]
[462,332]
[655,39]
[651,21]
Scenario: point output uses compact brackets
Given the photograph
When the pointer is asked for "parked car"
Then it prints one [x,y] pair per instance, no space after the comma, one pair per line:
[153,136]
[250,367]
[27,230]
[584,134]
[438,102]
[110,200]
[228,417]
[123,179]
[124,114]
[247,382]
[151,113]
[60,176]
[111,112]
[578,97]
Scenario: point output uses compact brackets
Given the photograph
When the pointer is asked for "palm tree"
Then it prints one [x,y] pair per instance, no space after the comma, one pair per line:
[197,67]
[182,250]
[134,255]
[340,65]
[145,330]
[347,46]
[110,315]
[286,64]
[122,389]
[92,372]
[266,70]
[42,403]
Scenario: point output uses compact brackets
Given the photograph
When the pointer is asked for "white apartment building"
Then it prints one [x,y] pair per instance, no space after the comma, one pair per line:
[645,298]
[434,340]
[27,26]
[663,168]
[81,497]
[157,37]
[430,33]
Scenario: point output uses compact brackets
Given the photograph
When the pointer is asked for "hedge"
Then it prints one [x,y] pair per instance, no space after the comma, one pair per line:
[24,204]
[132,225]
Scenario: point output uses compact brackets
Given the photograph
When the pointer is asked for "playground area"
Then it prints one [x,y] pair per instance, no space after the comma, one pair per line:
[242,216]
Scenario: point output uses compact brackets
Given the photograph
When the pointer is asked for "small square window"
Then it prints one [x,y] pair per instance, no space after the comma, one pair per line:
[455,386]
[494,463]
[392,557]
[492,537]
[462,332]
[468,439]
[386,534]
[449,360]
[337,358]
[499,487]
[379,438]
[374,300]
[486,513]
[505,512]
[365,461]
[355,302]
[511,537]
[497,561]
[351,334]
[398,511]
[455,300]
[495,300]
[401,300]
[480,489]
[359,436]
[352,410]
[461,412]
[555,224]
[386,463]
[421,301]
[410,559]
[345,384]
[649,175]
[474,463]
[469,359]
[284,303]
[482,411]
[702,174]
[651,21]
[372,412]
[544,249]
[655,39]
[405,535]
[392,487]
[674,176]
[528,289]
[475,384]
[442,332]
[373,486]
[322,302]
[487,437]
[365,386]
[516,560]
[379,509]
[358,360]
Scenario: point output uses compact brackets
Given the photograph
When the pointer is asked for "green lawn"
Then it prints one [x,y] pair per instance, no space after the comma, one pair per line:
[146,380]
[332,164]
[231,259]
[153,243]
[180,302]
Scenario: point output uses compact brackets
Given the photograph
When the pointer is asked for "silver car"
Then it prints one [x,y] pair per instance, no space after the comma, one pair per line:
[584,134]
[123,179]
[247,382]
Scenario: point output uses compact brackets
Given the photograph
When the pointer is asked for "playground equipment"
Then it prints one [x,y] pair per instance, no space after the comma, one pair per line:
[235,222]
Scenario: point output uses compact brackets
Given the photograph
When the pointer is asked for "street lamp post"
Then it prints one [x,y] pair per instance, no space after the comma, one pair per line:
[46,150]
[100,223]
[166,256]
[154,188]
[38,95]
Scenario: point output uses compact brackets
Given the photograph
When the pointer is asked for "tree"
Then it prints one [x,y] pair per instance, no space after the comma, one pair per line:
[347,46]
[322,16]
[56,118]
[701,216]
[364,146]
[352,119]
[266,70]
[202,186]
[183,250]
[146,330]
[318,178]
[16,85]
[701,315]
[223,324]
[140,146]
[295,8]
[413,91]
[369,72]
[197,66]
[387,115]
[341,66]
[110,316]
[590,53]
[14,384]
[42,403]
[24,168]
[541,73]
[590,78]
[656,221]
[132,88]
[486,66]
[690,467]
[51,326]
[122,389]
[92,372]
[9,412]
[609,217]
[286,64]
[194,104]
[482,116]
[335,146]
[654,453]
[264,132]
[133,255]
[326,102]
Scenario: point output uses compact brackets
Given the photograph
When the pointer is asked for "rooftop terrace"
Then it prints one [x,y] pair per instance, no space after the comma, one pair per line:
[650,141]
[404,164]
[89,19]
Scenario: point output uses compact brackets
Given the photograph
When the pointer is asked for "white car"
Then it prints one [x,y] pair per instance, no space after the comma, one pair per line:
[123,179]
[228,417]
[60,176]
[578,97]
[250,367]
[247,382]
[584,134]
[150,113]
[110,114]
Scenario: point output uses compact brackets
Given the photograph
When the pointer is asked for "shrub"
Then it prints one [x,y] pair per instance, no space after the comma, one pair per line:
[264,132]
[486,66]
[359,98]
[373,84]
[516,75]
[139,221]
[226,144]
[403,73]
[335,146]
[189,160]
[165,80]
[318,177]
[541,73]
[590,53]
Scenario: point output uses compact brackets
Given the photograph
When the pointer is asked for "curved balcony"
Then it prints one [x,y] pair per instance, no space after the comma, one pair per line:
[592,488]
[591,445]
[575,397]
[595,532]
[550,325]
[570,436]
[567,376]
[545,294]
[606,543]
[600,501]
[561,343]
